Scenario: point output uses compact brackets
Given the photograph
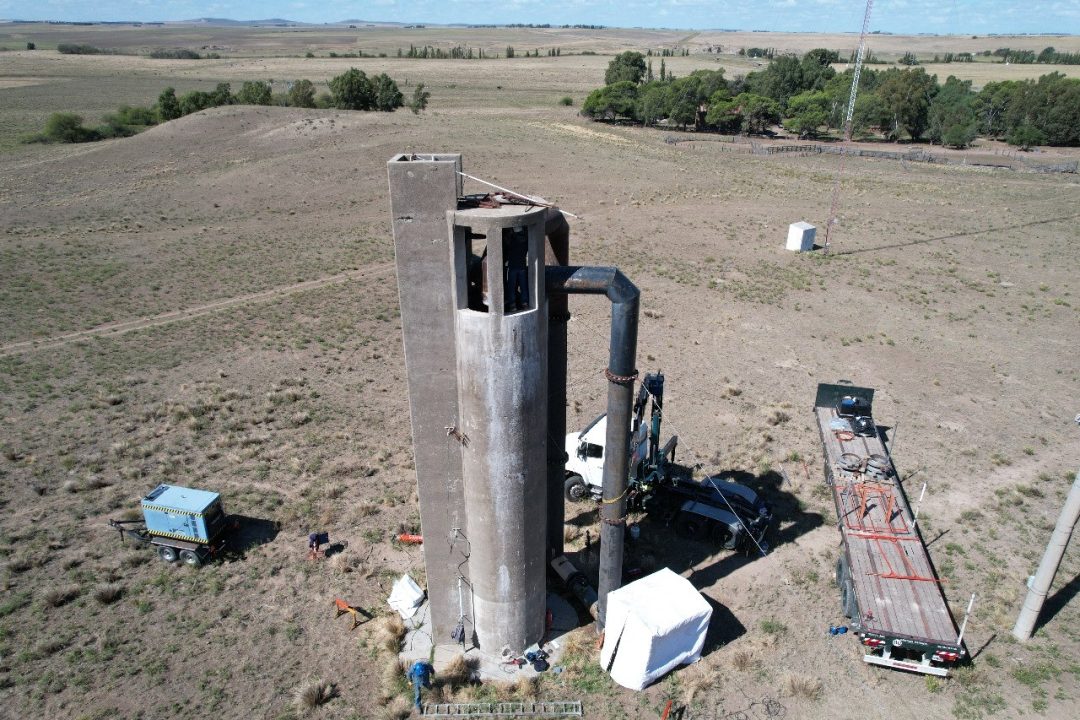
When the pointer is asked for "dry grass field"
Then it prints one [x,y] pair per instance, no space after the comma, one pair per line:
[233,273]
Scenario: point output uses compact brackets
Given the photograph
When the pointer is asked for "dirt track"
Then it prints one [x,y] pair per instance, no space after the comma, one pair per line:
[166,318]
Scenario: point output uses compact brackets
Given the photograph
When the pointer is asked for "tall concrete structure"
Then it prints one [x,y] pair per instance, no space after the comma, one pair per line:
[474,318]
[422,189]
[501,326]
[485,354]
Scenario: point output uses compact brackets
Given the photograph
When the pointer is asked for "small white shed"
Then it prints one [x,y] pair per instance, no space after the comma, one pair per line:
[653,624]
[800,236]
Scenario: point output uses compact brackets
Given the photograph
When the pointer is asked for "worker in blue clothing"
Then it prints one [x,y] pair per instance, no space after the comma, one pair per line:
[420,675]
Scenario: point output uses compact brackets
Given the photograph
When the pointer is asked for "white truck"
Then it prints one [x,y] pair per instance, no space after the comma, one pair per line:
[731,514]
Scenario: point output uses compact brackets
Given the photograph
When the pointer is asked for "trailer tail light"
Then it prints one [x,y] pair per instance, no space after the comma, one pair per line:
[873,642]
[946,656]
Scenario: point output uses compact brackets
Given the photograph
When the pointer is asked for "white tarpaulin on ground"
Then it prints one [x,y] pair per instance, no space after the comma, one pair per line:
[405,597]
[653,624]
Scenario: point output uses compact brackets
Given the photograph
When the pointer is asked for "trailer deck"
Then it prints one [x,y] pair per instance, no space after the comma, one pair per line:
[896,601]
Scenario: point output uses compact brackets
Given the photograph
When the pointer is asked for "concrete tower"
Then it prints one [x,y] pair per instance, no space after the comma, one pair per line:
[474,319]
[501,328]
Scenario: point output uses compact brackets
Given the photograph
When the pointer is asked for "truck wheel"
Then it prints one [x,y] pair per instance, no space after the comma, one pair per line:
[723,536]
[690,527]
[576,489]
[190,557]
[167,553]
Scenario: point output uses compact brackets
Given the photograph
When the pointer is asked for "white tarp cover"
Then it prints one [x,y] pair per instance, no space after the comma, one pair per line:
[653,624]
[405,597]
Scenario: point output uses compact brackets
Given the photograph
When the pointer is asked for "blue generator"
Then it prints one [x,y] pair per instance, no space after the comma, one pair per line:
[185,514]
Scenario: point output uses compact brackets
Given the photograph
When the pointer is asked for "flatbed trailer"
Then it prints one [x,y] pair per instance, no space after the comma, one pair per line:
[889,588]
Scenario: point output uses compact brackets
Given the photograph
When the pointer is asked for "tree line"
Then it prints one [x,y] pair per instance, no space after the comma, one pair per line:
[809,98]
[352,90]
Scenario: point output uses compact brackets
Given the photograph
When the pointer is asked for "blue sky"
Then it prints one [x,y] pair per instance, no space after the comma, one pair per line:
[898,16]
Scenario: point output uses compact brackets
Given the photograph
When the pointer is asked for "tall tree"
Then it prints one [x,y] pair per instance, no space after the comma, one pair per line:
[991,105]
[387,96]
[610,101]
[302,94]
[628,66]
[951,118]
[168,107]
[352,90]
[905,96]
[254,92]
[807,112]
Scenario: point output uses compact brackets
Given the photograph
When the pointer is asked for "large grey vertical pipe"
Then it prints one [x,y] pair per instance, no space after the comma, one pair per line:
[422,189]
[557,253]
[621,372]
[1044,577]
[502,401]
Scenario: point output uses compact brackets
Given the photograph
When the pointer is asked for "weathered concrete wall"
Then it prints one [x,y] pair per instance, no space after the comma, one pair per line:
[422,189]
[502,402]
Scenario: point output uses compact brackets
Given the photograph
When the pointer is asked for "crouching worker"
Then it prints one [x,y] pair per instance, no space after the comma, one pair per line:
[420,675]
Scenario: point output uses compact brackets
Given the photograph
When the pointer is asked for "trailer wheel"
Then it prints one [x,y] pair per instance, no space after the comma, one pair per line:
[841,572]
[576,489]
[190,558]
[847,599]
[167,553]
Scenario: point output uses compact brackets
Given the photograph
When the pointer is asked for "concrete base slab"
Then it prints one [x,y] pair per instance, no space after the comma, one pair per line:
[419,645]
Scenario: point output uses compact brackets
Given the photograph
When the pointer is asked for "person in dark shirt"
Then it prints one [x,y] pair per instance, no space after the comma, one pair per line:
[516,258]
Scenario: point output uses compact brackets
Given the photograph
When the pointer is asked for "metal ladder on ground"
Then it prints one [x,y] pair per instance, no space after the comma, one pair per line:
[503,709]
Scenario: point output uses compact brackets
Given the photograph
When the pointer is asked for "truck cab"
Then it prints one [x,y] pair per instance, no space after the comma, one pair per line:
[585,467]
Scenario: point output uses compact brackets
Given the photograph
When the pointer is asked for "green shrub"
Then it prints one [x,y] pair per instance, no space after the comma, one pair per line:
[420,99]
[566,101]
[67,128]
[1026,136]
[79,49]
[302,94]
[128,120]
[31,46]
[174,54]
[254,92]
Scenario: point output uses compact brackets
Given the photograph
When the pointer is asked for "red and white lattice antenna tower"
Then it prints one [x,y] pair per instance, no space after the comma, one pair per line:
[859,55]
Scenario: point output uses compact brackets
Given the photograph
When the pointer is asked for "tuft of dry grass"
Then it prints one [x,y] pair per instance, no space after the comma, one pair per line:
[312,694]
[743,660]
[107,594]
[394,682]
[802,686]
[57,596]
[524,688]
[344,563]
[698,679]
[397,709]
[390,633]
[776,417]
[458,672]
